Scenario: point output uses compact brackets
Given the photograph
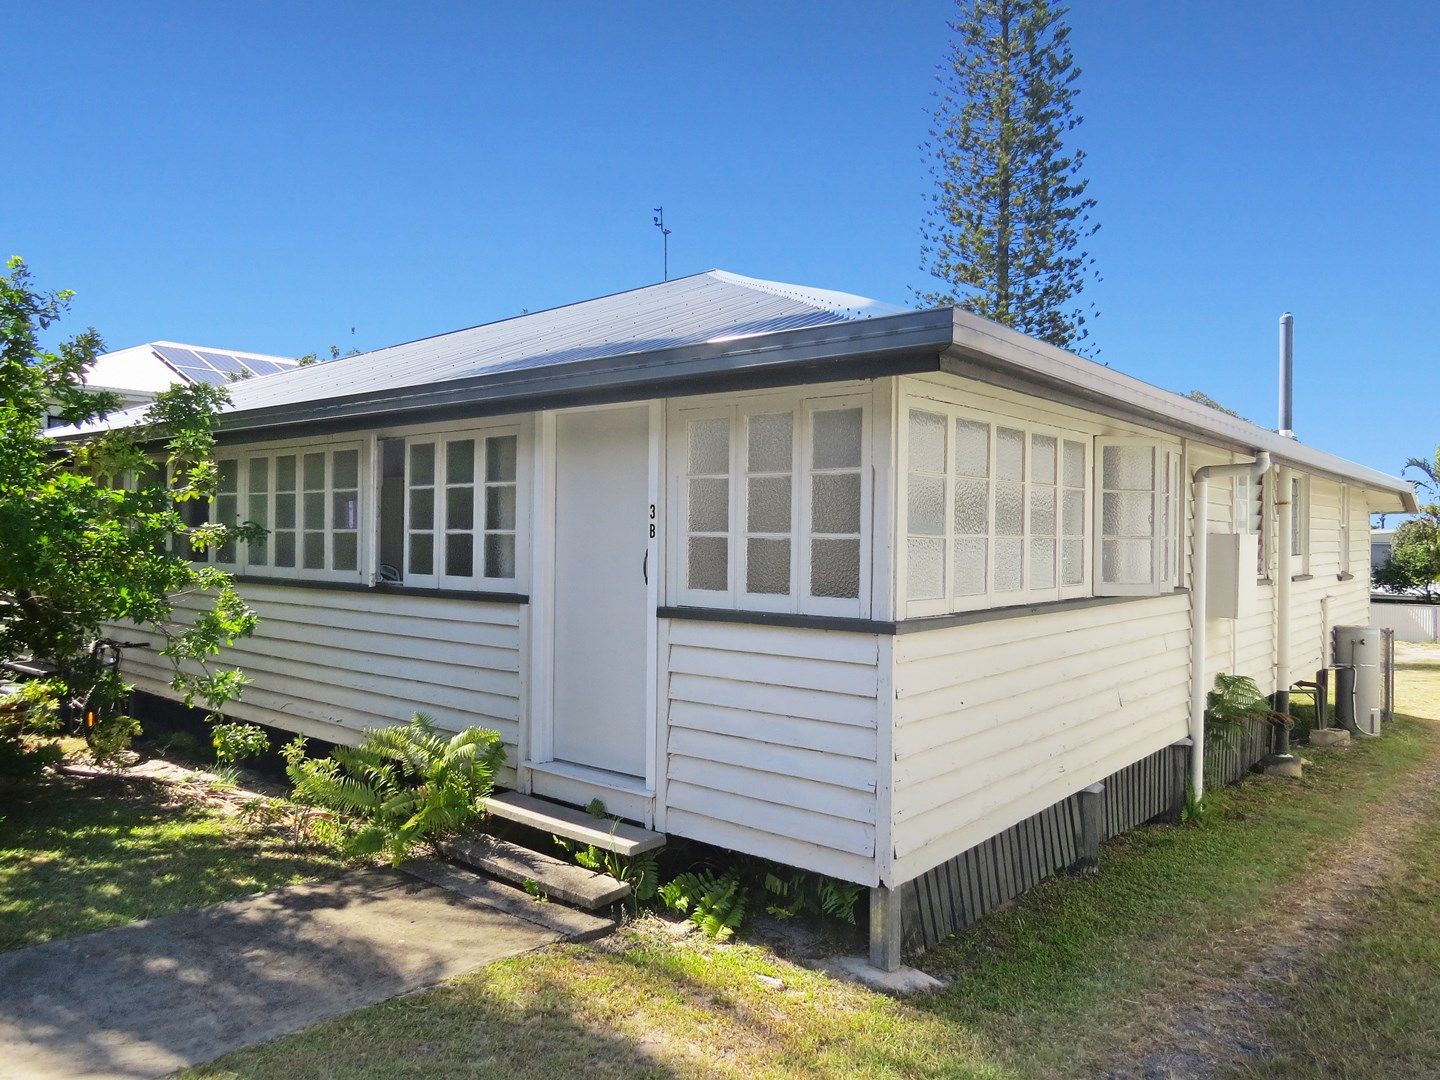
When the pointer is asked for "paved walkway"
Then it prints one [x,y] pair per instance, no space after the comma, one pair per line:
[145,999]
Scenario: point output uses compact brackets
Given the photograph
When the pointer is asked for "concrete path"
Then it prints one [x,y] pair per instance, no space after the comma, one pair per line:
[145,999]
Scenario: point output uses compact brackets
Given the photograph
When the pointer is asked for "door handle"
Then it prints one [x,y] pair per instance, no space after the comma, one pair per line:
[645,566]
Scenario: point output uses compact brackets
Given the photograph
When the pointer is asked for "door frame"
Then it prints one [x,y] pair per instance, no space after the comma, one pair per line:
[537,746]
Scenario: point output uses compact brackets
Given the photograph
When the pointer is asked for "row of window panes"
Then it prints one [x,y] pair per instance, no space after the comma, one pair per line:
[458,507]
[770,503]
[996,515]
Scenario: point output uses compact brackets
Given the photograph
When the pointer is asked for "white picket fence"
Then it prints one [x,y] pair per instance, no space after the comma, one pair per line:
[1411,622]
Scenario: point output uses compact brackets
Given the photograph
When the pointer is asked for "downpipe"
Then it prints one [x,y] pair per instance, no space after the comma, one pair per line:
[1284,522]
[1199,600]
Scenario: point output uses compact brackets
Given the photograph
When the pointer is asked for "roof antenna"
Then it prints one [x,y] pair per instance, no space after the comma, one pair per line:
[664,237]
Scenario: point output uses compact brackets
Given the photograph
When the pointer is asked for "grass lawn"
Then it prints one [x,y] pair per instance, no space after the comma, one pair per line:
[82,853]
[1064,983]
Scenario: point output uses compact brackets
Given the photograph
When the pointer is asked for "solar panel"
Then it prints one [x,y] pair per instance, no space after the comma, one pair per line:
[264,367]
[223,362]
[178,357]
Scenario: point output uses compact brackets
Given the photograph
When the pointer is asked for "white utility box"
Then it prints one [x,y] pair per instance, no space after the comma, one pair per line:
[1231,587]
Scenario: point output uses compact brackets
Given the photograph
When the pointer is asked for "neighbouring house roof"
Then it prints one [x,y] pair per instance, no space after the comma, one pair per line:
[156,365]
[714,331]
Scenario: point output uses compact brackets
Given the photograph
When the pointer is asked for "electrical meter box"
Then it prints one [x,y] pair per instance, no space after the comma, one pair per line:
[1231,585]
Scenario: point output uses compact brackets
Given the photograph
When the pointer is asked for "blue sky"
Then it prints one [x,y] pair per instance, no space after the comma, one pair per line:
[268,175]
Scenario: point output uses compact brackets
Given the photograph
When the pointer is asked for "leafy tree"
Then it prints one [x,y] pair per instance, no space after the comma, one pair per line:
[1010,213]
[1429,469]
[90,530]
[1414,563]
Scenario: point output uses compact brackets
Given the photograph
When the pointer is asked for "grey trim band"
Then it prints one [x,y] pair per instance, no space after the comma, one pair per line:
[904,626]
[385,589]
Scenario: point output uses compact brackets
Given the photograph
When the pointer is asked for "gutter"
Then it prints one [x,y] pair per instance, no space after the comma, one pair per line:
[1199,601]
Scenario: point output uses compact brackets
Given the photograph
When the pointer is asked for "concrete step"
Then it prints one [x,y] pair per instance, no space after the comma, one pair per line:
[603,833]
[556,879]
[575,925]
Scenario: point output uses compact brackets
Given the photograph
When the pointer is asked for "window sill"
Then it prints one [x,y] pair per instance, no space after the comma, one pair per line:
[385,588]
[970,618]
[777,618]
[1302,577]
[1345,576]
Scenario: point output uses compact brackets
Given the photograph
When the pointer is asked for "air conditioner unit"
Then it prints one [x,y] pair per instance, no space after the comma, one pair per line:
[1230,586]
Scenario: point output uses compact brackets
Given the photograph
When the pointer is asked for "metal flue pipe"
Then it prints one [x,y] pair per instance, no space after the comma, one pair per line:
[1287,376]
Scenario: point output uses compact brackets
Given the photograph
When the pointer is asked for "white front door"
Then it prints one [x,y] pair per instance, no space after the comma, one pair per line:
[602,614]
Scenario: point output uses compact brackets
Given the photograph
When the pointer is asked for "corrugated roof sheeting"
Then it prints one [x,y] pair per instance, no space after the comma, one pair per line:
[685,311]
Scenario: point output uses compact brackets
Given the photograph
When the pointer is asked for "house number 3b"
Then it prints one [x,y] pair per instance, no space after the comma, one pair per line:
[652,521]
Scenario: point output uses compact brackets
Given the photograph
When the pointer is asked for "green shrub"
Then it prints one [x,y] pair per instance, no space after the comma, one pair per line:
[29,720]
[1235,700]
[234,742]
[401,786]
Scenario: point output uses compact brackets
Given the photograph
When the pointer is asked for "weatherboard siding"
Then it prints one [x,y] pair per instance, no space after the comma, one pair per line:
[771,742]
[995,722]
[330,663]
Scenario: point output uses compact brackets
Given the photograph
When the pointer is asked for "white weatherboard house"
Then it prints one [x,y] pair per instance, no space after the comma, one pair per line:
[851,587]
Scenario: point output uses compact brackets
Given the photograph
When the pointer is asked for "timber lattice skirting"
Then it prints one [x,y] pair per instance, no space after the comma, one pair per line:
[1066,835]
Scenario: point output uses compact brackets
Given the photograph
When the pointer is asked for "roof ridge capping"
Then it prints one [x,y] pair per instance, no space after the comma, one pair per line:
[846,305]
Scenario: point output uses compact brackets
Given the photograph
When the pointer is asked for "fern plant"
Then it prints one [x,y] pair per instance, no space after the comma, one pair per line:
[796,891]
[1237,699]
[641,872]
[715,904]
[401,786]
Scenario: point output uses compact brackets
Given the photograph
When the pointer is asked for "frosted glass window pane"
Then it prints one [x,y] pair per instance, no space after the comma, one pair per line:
[314,551]
[768,509]
[709,505]
[972,507]
[315,510]
[970,566]
[1126,562]
[1042,459]
[500,507]
[1009,564]
[1042,511]
[346,469]
[284,549]
[422,464]
[1127,513]
[1127,468]
[972,448]
[422,553]
[927,442]
[709,446]
[1074,467]
[836,439]
[501,452]
[835,503]
[460,508]
[771,446]
[259,509]
[1009,509]
[926,569]
[500,556]
[284,509]
[345,510]
[229,475]
[835,568]
[459,555]
[927,505]
[1074,514]
[1042,563]
[1010,454]
[284,473]
[314,471]
[347,548]
[422,509]
[460,462]
[767,566]
[709,558]
[260,474]
[1072,562]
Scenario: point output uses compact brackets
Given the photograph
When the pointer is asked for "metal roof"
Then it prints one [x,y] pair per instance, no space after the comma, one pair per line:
[713,331]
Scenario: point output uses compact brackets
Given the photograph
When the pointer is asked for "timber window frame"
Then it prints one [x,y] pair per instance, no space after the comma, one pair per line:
[1346,556]
[773,504]
[1137,516]
[312,498]
[1299,538]
[994,510]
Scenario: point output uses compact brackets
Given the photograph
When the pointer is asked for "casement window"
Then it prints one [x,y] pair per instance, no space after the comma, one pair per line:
[1248,516]
[996,511]
[448,506]
[1300,524]
[308,501]
[773,499]
[1137,484]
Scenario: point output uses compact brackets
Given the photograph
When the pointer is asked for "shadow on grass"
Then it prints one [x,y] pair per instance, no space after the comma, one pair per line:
[81,854]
